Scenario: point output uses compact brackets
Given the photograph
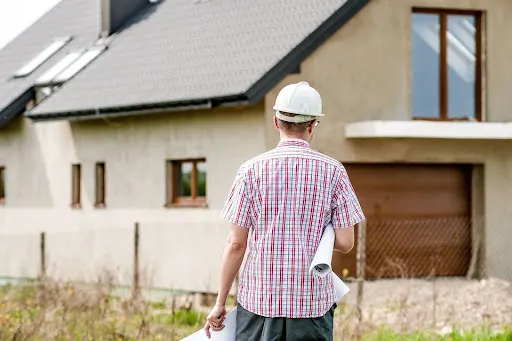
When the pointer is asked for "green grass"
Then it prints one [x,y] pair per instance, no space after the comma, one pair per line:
[61,311]
[481,334]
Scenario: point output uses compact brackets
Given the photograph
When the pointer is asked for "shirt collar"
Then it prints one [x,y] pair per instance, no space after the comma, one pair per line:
[293,142]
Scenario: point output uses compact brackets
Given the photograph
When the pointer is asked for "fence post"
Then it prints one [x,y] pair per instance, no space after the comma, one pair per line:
[42,255]
[136,269]
[361,265]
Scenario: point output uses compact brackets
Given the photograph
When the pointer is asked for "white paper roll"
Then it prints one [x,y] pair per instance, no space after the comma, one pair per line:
[321,264]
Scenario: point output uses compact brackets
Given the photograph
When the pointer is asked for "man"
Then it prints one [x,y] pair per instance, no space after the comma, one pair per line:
[285,197]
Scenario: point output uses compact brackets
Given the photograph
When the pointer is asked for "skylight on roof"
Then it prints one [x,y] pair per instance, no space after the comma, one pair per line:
[43,56]
[87,57]
[64,63]
[70,65]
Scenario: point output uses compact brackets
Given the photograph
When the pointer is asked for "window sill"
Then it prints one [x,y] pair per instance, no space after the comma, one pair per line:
[187,204]
[99,205]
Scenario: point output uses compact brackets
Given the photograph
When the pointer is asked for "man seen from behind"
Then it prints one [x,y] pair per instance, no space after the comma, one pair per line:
[285,197]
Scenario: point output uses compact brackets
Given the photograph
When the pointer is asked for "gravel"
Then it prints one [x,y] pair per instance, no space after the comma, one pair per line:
[440,304]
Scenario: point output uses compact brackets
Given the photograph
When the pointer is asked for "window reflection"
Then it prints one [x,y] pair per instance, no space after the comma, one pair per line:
[457,99]
[184,179]
[462,66]
[425,63]
[201,179]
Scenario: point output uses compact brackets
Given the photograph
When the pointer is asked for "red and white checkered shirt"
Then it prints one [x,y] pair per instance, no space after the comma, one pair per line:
[287,196]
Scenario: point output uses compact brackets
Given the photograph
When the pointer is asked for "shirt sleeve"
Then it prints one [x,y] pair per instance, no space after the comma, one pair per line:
[238,207]
[346,210]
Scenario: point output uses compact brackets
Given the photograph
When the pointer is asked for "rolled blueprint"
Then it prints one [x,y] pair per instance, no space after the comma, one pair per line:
[321,264]
[341,288]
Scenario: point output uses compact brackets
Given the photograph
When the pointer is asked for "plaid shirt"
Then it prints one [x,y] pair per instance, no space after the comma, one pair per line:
[287,196]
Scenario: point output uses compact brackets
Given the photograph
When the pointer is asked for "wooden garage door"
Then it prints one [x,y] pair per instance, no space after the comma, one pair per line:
[418,220]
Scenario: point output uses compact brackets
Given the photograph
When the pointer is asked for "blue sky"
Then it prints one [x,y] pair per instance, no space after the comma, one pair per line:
[17,15]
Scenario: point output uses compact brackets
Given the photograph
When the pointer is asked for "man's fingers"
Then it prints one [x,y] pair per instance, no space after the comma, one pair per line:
[217,328]
[207,330]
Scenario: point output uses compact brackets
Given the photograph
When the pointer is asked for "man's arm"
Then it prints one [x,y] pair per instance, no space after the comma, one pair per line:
[238,211]
[344,239]
[346,213]
[234,252]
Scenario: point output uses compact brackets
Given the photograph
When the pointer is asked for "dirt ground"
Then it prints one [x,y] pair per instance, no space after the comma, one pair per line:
[441,304]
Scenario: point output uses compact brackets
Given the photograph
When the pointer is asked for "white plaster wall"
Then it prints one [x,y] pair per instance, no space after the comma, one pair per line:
[83,242]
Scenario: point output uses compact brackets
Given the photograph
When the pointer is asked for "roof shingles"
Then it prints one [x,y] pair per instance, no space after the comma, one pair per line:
[182,50]
[77,18]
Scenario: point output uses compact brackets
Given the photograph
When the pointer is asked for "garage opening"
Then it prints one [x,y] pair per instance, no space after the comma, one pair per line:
[418,220]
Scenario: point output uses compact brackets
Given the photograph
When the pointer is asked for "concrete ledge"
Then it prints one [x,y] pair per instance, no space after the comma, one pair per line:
[429,130]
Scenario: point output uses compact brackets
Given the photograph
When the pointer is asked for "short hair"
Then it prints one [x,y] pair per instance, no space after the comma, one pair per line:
[291,127]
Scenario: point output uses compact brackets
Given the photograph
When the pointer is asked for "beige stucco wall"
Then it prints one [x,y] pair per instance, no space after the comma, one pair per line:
[364,72]
[184,246]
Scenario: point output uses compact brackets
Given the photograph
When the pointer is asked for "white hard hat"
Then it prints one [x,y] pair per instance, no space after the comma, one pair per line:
[300,99]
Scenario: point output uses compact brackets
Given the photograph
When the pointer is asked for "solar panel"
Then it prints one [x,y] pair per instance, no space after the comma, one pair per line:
[43,56]
[61,65]
[85,59]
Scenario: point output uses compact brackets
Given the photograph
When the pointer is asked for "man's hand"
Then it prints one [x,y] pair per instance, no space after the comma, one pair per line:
[215,319]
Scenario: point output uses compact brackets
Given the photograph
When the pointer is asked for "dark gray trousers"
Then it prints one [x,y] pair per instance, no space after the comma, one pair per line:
[252,327]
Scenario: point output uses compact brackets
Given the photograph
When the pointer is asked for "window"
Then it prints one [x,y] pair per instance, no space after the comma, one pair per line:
[186,183]
[69,65]
[87,57]
[447,68]
[60,66]
[43,56]
[100,185]
[76,178]
[2,184]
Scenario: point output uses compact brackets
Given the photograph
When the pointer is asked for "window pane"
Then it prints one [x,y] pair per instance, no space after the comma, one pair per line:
[75,191]
[201,179]
[425,64]
[100,183]
[184,178]
[461,41]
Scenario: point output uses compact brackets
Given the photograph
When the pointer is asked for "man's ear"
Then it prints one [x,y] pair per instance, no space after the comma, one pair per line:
[310,127]
[275,123]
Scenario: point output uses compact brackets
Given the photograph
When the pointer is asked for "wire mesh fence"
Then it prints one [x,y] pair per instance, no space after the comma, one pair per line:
[426,247]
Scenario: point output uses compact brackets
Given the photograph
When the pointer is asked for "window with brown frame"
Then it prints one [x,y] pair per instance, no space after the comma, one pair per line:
[100,185]
[447,64]
[186,182]
[76,188]
[2,184]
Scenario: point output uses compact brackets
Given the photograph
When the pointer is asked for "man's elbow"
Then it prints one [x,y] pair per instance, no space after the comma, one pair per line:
[236,246]
[345,246]
[344,239]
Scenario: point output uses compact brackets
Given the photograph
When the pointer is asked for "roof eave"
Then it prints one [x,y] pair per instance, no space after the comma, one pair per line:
[142,109]
[16,107]
[302,51]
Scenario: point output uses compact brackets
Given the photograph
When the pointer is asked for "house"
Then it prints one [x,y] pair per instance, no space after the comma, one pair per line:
[143,112]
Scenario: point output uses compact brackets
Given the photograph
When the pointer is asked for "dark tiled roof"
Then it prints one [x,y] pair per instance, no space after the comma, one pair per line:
[185,52]
[77,18]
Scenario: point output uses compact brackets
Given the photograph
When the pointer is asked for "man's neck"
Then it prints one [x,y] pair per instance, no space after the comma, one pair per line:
[287,138]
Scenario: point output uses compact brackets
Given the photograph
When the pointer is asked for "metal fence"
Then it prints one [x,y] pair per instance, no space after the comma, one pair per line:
[413,248]
[385,249]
